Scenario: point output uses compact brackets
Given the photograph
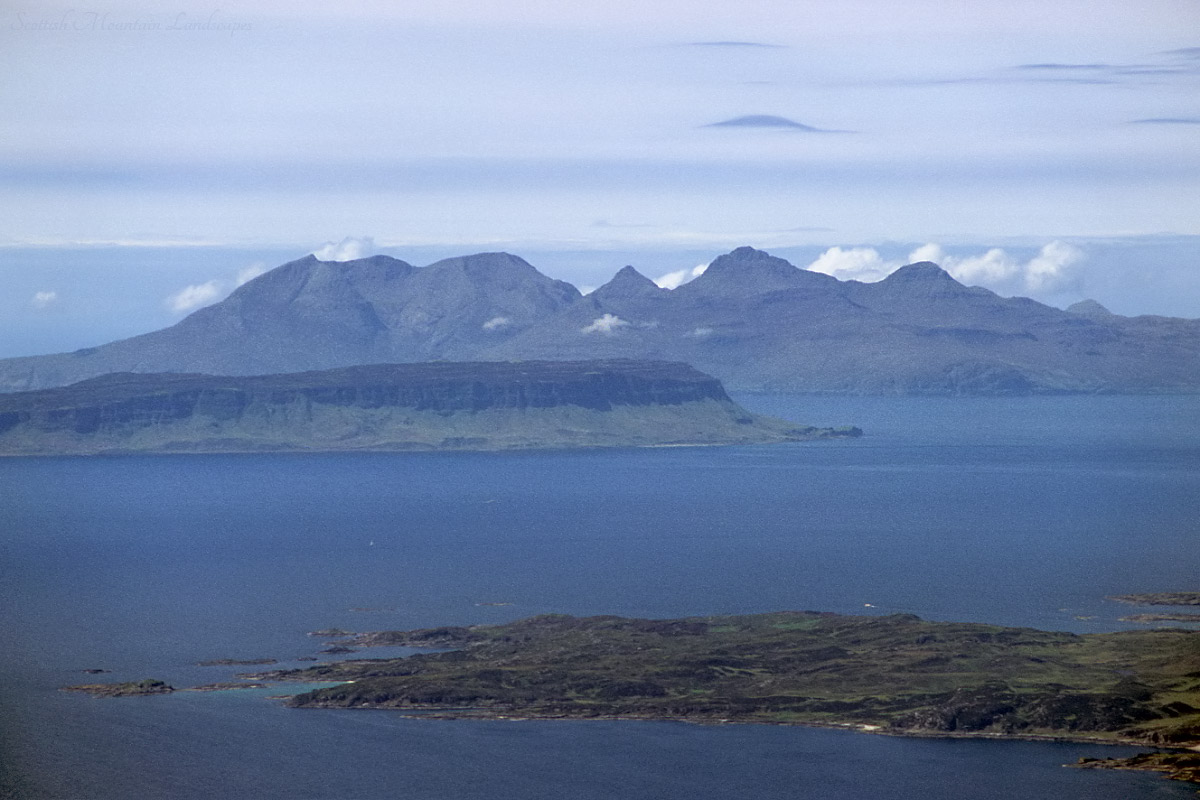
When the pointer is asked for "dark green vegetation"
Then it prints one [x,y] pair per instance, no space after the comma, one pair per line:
[128,689]
[1160,599]
[756,322]
[437,406]
[897,674]
[1178,766]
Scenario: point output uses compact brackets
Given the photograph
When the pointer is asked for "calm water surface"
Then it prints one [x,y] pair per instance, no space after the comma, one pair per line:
[1016,511]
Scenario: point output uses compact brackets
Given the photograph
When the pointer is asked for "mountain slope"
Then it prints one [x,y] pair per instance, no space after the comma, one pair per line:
[753,320]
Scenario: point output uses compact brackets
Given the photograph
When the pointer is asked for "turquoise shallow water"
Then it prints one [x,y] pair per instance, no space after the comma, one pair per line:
[1018,511]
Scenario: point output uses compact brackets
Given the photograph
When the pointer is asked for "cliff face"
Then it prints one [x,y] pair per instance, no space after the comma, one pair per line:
[387,407]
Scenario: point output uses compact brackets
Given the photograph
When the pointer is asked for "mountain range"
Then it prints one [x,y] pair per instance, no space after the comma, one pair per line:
[755,321]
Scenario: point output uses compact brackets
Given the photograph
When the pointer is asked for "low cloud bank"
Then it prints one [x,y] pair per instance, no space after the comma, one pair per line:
[1054,269]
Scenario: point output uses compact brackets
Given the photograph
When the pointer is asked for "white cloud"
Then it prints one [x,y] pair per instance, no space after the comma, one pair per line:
[927,252]
[347,249]
[856,263]
[608,324]
[496,322]
[43,300]
[202,294]
[194,296]
[993,269]
[250,273]
[1053,269]
[679,277]
[699,333]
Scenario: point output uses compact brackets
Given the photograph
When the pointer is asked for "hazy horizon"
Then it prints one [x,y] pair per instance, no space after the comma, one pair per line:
[156,155]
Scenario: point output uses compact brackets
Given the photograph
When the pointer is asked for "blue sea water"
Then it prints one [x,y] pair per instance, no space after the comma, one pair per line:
[1021,511]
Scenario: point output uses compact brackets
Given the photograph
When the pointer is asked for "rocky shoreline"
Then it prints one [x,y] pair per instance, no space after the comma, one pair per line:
[1177,766]
[146,686]
[1159,599]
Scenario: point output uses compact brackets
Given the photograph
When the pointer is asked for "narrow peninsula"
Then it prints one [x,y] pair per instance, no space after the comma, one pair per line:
[392,407]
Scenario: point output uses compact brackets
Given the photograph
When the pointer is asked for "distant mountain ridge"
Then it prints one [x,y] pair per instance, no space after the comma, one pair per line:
[755,321]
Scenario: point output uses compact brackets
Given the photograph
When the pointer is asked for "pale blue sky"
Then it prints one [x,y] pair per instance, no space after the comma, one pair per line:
[576,126]
[470,121]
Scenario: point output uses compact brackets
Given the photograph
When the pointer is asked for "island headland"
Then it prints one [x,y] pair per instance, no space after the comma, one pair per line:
[895,674]
[392,407]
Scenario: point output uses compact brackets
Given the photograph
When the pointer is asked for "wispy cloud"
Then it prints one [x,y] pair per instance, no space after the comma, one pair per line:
[43,300]
[496,323]
[347,249]
[192,297]
[679,277]
[806,229]
[1184,52]
[247,274]
[1177,64]
[767,121]
[1166,121]
[736,44]
[197,295]
[603,223]
[607,325]
[1052,66]
[999,80]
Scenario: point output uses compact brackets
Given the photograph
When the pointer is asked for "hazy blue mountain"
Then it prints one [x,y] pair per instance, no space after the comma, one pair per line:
[310,314]
[1089,308]
[755,321]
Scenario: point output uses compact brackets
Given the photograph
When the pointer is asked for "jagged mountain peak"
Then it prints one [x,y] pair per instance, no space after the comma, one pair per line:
[747,271]
[926,279]
[628,284]
[920,271]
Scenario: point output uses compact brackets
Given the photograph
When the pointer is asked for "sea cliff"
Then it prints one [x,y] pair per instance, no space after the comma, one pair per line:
[430,406]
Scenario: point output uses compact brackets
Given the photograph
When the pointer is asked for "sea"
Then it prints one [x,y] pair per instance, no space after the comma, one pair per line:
[1017,511]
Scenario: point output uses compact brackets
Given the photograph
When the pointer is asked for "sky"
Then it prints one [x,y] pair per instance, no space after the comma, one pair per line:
[1017,141]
